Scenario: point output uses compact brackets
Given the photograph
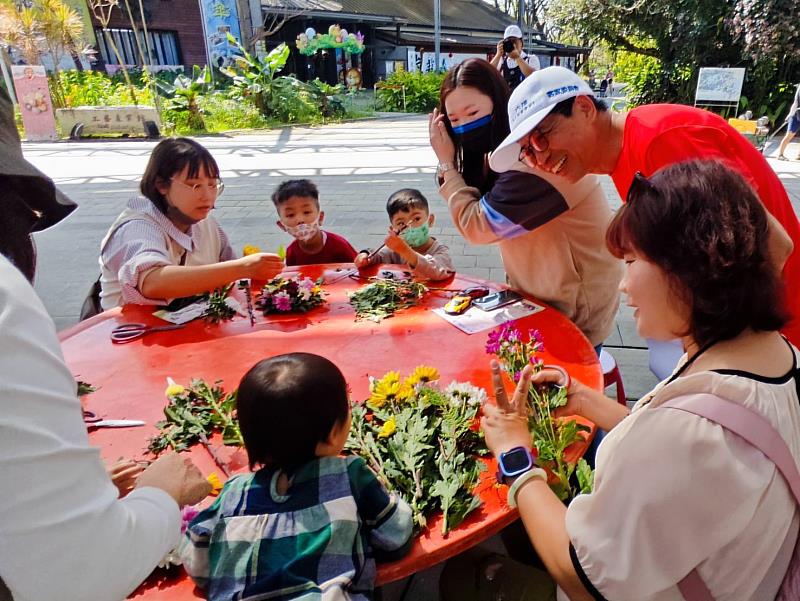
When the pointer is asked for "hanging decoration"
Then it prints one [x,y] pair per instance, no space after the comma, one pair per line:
[310,41]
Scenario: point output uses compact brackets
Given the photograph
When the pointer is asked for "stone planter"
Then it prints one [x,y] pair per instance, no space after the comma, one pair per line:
[102,120]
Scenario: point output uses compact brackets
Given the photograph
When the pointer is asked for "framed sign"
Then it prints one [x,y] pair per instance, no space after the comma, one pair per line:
[719,86]
[33,96]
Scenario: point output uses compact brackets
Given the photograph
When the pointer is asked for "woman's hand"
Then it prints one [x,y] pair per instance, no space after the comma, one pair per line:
[178,477]
[261,266]
[124,474]
[505,425]
[441,142]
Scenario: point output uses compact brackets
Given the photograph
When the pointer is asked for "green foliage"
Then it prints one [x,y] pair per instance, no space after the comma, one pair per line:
[195,413]
[253,77]
[684,35]
[218,307]
[383,298]
[410,92]
[184,94]
[421,444]
[92,88]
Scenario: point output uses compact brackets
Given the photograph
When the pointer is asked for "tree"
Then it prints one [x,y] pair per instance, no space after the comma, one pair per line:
[279,12]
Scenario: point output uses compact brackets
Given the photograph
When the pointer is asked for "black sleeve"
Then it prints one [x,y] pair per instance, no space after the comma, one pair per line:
[587,584]
[525,199]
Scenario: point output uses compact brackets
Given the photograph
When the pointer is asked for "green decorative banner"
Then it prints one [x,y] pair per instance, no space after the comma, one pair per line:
[310,41]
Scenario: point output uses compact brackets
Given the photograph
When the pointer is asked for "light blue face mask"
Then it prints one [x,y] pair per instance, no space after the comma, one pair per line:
[416,236]
[460,130]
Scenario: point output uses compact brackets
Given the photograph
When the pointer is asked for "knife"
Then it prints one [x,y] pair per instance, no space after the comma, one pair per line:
[115,423]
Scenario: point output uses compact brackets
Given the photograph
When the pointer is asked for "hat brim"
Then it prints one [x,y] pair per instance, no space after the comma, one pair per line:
[506,155]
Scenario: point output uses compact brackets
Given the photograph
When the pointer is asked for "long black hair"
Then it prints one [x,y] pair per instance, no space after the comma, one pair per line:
[481,75]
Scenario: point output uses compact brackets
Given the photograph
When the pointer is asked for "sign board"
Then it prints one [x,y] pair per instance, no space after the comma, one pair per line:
[107,119]
[35,105]
[427,60]
[718,85]
[220,17]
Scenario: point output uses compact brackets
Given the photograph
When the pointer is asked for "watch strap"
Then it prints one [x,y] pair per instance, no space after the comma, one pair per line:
[442,168]
[522,479]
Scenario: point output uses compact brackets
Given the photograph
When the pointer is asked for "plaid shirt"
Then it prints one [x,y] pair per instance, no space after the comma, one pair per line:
[315,542]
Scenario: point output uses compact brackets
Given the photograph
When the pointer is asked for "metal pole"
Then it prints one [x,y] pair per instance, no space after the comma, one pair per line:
[437,30]
[520,8]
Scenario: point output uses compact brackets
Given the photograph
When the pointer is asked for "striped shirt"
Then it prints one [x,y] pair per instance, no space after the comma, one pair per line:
[143,238]
[318,541]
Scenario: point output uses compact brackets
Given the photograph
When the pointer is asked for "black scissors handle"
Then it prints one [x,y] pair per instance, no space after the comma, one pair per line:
[131,331]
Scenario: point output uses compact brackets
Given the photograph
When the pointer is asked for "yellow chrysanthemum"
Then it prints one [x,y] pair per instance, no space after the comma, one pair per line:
[423,374]
[250,249]
[385,390]
[215,482]
[405,392]
[173,389]
[388,428]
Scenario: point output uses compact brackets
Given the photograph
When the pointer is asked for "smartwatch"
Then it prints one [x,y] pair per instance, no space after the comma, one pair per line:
[514,462]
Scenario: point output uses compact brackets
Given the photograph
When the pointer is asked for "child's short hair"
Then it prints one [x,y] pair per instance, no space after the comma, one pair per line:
[405,200]
[295,187]
[286,405]
[171,156]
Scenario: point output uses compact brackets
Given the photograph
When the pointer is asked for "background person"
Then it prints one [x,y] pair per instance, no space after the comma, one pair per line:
[792,125]
[511,60]
[550,232]
[675,492]
[65,534]
[558,127]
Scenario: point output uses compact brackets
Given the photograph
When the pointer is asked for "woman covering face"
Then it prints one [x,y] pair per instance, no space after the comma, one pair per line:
[549,232]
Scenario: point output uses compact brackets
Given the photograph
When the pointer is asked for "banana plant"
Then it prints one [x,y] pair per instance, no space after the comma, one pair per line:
[254,77]
[185,93]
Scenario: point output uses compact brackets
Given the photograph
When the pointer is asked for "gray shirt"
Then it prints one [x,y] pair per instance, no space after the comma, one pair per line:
[435,264]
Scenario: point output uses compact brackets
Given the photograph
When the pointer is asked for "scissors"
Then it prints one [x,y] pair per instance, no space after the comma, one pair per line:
[92,421]
[128,332]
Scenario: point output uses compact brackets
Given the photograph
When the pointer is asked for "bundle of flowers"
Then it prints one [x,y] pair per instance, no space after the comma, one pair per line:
[551,436]
[193,414]
[287,295]
[422,443]
[382,298]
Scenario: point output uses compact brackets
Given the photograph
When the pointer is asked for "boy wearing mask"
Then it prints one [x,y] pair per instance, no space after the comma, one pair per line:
[408,241]
[297,204]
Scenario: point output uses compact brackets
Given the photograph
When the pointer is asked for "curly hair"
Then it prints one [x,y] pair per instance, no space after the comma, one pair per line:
[704,226]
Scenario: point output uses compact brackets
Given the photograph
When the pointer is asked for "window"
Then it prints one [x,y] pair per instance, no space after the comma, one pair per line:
[164,48]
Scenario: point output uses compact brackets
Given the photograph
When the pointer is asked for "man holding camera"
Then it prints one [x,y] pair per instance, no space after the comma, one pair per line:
[513,62]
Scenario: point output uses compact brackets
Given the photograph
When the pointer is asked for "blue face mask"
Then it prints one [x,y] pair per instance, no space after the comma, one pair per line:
[460,130]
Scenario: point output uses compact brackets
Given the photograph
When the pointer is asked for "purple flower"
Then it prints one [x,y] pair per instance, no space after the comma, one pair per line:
[307,284]
[493,343]
[517,375]
[282,301]
[188,513]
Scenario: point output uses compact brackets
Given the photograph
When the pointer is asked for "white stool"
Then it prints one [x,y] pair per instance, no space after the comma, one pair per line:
[611,375]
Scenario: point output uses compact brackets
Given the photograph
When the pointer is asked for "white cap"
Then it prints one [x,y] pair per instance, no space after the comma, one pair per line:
[531,102]
[512,31]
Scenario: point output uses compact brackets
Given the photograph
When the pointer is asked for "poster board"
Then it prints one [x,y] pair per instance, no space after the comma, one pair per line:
[719,86]
[220,17]
[35,104]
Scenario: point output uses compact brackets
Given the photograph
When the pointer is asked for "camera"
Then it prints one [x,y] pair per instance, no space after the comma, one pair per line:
[508,46]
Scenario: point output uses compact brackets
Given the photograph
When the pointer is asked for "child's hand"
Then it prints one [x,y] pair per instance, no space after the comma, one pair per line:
[261,266]
[397,244]
[361,260]
[124,474]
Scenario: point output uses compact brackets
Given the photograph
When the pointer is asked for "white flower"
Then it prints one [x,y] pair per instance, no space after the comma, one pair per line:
[172,558]
[306,284]
[464,392]
[304,293]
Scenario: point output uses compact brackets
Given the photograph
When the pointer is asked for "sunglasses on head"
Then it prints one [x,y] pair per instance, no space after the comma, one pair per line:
[639,186]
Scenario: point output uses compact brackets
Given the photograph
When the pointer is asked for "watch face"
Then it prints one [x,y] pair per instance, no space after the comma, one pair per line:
[515,461]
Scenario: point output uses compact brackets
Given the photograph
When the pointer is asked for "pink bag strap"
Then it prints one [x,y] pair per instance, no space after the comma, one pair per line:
[754,429]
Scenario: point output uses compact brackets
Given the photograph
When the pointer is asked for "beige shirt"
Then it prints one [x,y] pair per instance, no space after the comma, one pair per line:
[564,262]
[435,264]
[674,491]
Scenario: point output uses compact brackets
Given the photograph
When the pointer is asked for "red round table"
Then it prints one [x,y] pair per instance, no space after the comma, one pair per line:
[132,377]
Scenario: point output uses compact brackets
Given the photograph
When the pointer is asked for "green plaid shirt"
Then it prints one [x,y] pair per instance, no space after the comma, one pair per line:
[314,542]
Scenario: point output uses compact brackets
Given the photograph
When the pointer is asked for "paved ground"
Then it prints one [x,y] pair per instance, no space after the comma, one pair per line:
[355,165]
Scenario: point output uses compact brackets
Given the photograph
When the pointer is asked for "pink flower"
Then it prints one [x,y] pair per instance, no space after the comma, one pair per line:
[306,284]
[188,513]
[282,301]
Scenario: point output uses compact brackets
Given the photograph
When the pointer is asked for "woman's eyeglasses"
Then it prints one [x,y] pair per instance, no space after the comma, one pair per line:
[639,186]
[216,187]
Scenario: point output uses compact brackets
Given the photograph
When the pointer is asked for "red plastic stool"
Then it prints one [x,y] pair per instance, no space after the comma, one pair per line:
[611,375]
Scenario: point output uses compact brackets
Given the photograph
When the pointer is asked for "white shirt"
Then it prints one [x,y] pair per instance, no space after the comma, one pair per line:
[143,238]
[64,534]
[674,491]
[531,59]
